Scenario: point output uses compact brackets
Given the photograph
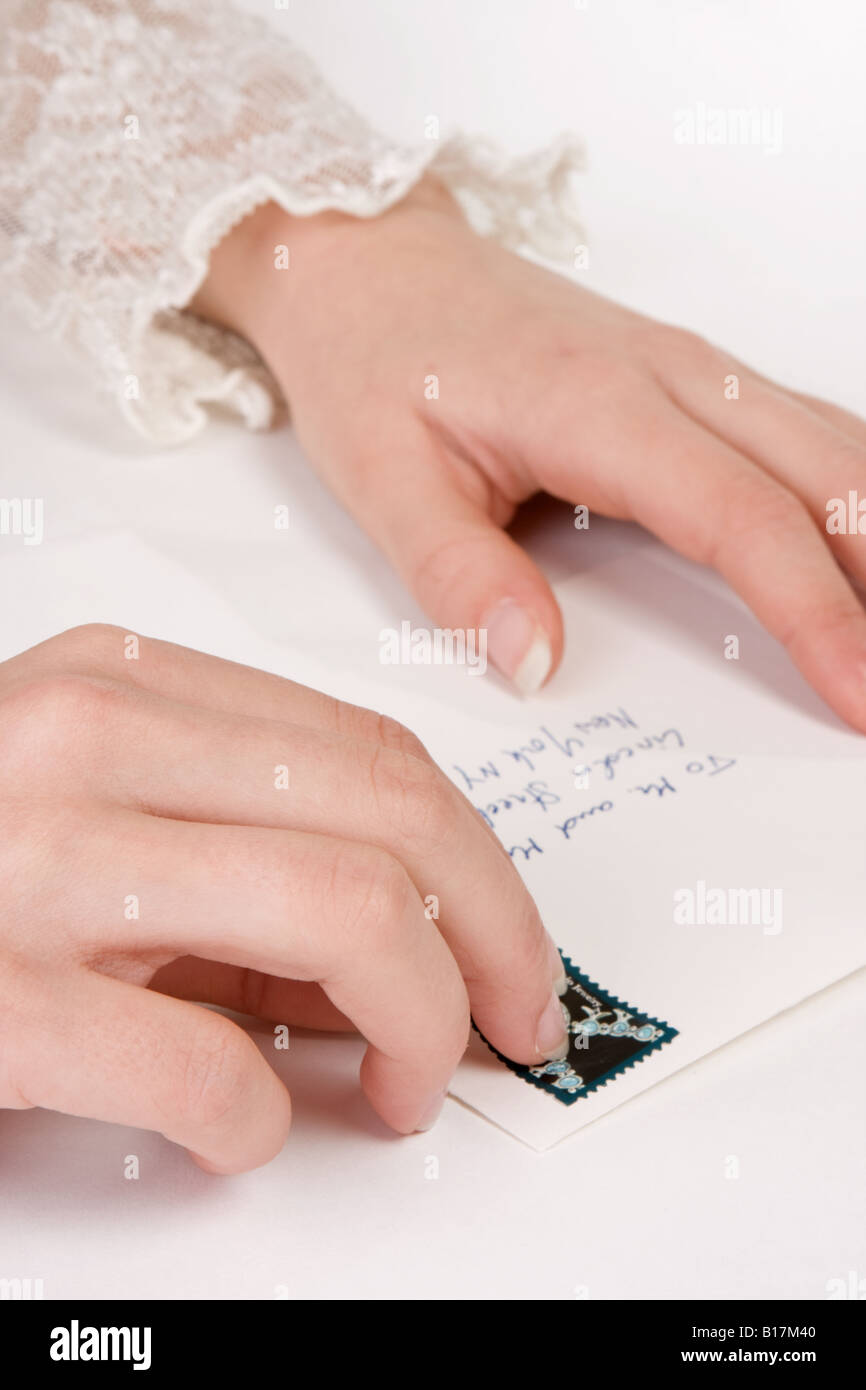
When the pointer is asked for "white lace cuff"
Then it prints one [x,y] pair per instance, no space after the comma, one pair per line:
[135,133]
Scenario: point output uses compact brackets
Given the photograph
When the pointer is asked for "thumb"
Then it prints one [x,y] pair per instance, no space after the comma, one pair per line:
[464,570]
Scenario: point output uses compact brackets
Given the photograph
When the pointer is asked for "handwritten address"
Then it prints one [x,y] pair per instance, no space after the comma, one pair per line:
[500,785]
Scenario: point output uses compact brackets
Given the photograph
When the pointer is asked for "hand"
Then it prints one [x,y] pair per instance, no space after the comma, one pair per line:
[147,838]
[541,385]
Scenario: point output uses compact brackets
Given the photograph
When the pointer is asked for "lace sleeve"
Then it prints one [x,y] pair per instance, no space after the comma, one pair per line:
[135,133]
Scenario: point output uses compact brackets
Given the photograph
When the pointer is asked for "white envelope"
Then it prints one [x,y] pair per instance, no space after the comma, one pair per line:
[706,775]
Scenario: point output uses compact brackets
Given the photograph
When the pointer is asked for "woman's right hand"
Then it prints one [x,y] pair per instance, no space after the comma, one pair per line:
[175,828]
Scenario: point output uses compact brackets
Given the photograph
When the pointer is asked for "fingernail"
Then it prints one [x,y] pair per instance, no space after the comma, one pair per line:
[518,646]
[560,982]
[432,1113]
[551,1038]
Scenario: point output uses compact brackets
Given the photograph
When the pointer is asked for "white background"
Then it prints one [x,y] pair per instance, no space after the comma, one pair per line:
[761,252]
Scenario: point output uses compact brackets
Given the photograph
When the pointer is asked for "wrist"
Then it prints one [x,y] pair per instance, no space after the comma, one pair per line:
[272,257]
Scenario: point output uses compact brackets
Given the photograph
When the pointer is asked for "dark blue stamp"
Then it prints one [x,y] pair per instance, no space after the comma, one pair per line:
[605,1037]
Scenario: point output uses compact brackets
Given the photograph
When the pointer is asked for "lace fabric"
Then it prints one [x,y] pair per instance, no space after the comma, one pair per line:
[135,133]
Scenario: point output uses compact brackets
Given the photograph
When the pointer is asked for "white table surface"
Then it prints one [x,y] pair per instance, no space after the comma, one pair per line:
[762,252]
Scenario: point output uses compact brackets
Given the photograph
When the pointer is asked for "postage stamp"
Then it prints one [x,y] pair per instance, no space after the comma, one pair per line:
[605,1035]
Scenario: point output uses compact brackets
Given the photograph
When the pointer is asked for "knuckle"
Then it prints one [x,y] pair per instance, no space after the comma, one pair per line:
[666,342]
[771,507]
[50,713]
[373,892]
[447,563]
[360,723]
[441,563]
[214,1072]
[756,509]
[395,735]
[63,699]
[744,507]
[89,642]
[415,796]
[840,619]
